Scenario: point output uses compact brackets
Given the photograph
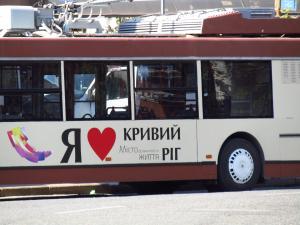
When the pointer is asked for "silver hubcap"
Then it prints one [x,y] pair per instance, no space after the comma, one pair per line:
[241,166]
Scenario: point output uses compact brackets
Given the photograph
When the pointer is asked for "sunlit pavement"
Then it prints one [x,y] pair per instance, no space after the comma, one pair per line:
[268,207]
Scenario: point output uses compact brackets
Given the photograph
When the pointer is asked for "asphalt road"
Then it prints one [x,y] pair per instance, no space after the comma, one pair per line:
[251,207]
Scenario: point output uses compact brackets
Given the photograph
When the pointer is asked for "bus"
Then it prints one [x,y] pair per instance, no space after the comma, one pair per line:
[150,108]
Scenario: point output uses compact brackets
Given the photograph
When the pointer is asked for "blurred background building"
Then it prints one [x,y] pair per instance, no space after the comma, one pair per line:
[142,7]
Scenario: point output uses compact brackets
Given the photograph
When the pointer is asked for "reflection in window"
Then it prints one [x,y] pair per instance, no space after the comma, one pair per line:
[165,75]
[84,95]
[165,104]
[237,89]
[100,90]
[117,92]
[15,107]
[51,81]
[16,77]
[165,90]
[51,106]
[84,87]
[30,91]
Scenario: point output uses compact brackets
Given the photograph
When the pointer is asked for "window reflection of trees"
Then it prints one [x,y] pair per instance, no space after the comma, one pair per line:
[237,89]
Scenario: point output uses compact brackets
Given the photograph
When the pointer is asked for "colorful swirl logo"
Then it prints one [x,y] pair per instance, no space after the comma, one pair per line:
[19,141]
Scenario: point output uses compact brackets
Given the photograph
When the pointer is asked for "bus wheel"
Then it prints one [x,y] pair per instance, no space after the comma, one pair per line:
[239,165]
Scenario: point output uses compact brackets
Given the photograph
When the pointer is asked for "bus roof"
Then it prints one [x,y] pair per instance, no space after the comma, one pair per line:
[239,22]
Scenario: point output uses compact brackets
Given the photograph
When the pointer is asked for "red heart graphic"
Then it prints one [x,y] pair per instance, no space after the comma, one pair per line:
[103,142]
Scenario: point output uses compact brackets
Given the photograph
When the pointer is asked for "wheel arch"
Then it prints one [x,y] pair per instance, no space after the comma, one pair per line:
[254,141]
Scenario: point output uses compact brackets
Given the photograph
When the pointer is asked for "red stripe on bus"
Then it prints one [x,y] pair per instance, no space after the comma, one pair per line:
[282,169]
[150,47]
[106,174]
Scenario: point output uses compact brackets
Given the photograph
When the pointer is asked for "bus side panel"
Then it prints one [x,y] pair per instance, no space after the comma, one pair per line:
[278,137]
[98,151]
[50,152]
[212,133]
[97,143]
[286,79]
[286,92]
[281,155]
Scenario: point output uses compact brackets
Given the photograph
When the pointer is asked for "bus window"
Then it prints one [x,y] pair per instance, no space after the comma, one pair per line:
[51,81]
[97,90]
[117,92]
[16,77]
[165,90]
[84,95]
[30,91]
[237,89]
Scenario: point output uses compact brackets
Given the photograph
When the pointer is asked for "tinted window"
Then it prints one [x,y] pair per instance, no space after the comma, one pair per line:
[97,90]
[237,89]
[16,77]
[165,90]
[30,91]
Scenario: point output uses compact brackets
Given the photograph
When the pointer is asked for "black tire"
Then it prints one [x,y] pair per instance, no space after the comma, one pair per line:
[239,165]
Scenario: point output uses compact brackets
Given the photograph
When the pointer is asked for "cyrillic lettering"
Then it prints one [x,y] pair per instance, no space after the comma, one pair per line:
[127,135]
[177,132]
[70,147]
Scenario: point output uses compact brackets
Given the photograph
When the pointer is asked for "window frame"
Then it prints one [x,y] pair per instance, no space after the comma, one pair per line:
[172,89]
[69,89]
[33,91]
[270,76]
